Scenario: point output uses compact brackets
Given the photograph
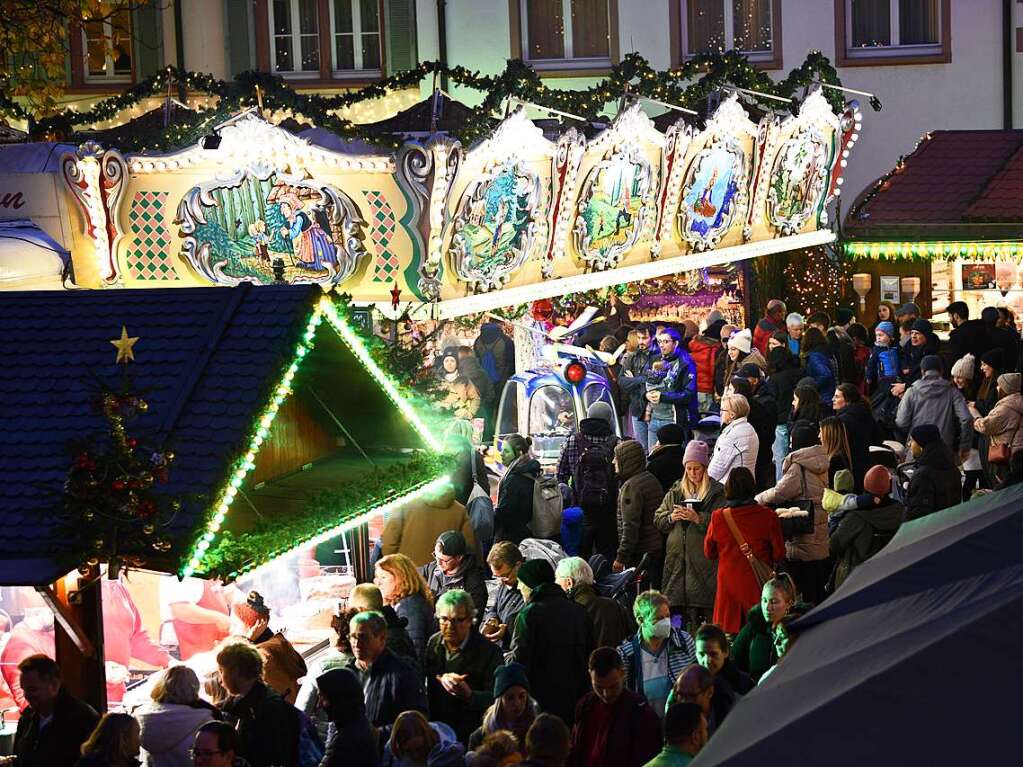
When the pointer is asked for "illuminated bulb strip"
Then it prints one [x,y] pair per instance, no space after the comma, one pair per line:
[352,522]
[931,250]
[358,348]
[248,461]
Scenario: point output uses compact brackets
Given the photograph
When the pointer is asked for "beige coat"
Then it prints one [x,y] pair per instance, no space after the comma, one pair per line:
[811,463]
[413,529]
[462,400]
[1004,424]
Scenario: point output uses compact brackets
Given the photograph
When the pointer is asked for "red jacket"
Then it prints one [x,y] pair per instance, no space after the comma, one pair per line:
[737,587]
[704,352]
[762,334]
[629,735]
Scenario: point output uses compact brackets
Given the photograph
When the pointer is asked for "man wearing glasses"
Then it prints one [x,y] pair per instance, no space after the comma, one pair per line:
[216,745]
[460,666]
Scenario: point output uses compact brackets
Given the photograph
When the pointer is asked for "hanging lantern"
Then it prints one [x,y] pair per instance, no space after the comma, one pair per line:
[861,284]
[910,288]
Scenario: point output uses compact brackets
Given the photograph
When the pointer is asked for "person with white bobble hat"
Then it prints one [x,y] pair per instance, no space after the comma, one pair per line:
[741,352]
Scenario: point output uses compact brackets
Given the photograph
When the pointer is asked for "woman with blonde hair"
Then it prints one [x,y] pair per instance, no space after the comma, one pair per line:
[114,743]
[414,740]
[737,444]
[404,589]
[836,445]
[169,723]
[690,579]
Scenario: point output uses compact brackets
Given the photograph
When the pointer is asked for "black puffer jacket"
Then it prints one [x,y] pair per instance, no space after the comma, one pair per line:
[935,484]
[862,533]
[862,431]
[514,510]
[784,375]
[665,463]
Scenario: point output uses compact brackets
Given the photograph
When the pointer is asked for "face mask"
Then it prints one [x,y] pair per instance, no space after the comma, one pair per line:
[662,629]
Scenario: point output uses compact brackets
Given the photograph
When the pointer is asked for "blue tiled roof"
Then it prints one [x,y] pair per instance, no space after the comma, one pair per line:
[205,362]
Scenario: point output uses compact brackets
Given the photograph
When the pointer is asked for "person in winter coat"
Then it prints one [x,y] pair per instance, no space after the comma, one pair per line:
[462,398]
[458,442]
[724,360]
[883,377]
[416,741]
[597,428]
[495,353]
[169,723]
[639,495]
[999,337]
[741,352]
[762,417]
[804,478]
[1002,424]
[922,343]
[553,639]
[784,372]
[499,619]
[614,727]
[402,587]
[820,366]
[665,460]
[967,336]
[737,444]
[865,530]
[934,400]
[365,597]
[514,511]
[268,726]
[455,567]
[352,742]
[690,579]
[842,349]
[411,529]
[753,649]
[737,586]
[657,653]
[714,653]
[459,666]
[632,378]
[705,349]
[513,710]
[860,428]
[861,353]
[772,321]
[806,406]
[612,622]
[935,483]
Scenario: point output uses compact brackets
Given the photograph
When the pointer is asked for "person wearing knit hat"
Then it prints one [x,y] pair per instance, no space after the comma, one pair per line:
[844,317]
[888,329]
[1003,425]
[713,316]
[1009,383]
[697,451]
[352,740]
[866,529]
[552,640]
[742,340]
[931,362]
[935,482]
[512,709]
[512,675]
[601,410]
[963,368]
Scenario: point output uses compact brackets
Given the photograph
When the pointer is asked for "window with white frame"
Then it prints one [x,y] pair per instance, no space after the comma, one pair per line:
[107,44]
[887,27]
[714,26]
[355,30]
[295,37]
[574,31]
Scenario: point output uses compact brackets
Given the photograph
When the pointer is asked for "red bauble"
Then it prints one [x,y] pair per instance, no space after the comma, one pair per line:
[117,485]
[132,443]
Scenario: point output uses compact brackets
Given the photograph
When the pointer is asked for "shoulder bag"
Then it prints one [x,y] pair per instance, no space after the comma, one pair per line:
[1000,454]
[762,572]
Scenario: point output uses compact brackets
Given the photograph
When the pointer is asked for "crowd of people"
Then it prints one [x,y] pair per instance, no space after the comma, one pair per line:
[469,649]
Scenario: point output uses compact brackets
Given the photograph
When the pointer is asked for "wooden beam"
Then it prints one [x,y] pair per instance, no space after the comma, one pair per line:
[84,674]
[68,622]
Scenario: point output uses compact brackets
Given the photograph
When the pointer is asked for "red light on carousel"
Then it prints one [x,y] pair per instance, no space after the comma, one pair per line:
[575,372]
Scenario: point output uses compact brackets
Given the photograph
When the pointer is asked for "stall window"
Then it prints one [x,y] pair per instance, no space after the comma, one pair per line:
[355,27]
[876,32]
[750,26]
[573,34]
[107,45]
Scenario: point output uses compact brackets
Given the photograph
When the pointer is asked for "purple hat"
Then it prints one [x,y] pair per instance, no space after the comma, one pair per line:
[696,451]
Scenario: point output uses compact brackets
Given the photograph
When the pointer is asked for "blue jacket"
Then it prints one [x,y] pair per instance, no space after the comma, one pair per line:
[680,388]
[884,364]
[681,652]
[420,621]
[821,368]
[394,686]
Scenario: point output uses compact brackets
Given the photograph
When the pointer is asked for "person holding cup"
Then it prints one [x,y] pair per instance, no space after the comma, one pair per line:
[690,579]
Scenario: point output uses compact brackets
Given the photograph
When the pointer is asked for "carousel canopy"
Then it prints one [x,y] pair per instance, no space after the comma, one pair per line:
[263,393]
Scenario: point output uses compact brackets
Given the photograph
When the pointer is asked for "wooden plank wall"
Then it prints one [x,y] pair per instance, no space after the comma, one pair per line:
[296,438]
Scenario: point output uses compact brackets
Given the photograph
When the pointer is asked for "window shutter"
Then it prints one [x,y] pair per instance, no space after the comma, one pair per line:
[400,25]
[148,40]
[239,36]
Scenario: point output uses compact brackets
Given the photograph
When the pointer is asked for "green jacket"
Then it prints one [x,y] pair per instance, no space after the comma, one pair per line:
[753,648]
[479,659]
[690,579]
[670,757]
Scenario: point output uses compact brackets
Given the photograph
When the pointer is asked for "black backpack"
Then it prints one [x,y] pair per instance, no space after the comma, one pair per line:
[594,482]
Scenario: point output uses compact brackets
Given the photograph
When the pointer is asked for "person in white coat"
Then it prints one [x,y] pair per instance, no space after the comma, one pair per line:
[737,444]
[168,724]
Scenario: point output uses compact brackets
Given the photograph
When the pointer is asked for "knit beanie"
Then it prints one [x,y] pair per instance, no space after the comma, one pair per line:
[742,340]
[963,367]
[931,362]
[696,451]
[844,481]
[536,572]
[512,675]
[887,328]
[671,434]
[922,326]
[994,357]
[843,316]
[601,410]
[714,315]
[1009,382]
[714,330]
[877,481]
[925,434]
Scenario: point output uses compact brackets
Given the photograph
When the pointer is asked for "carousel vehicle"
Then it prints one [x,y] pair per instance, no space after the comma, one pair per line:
[547,404]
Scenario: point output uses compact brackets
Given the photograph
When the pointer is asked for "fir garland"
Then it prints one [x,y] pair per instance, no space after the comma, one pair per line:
[688,85]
